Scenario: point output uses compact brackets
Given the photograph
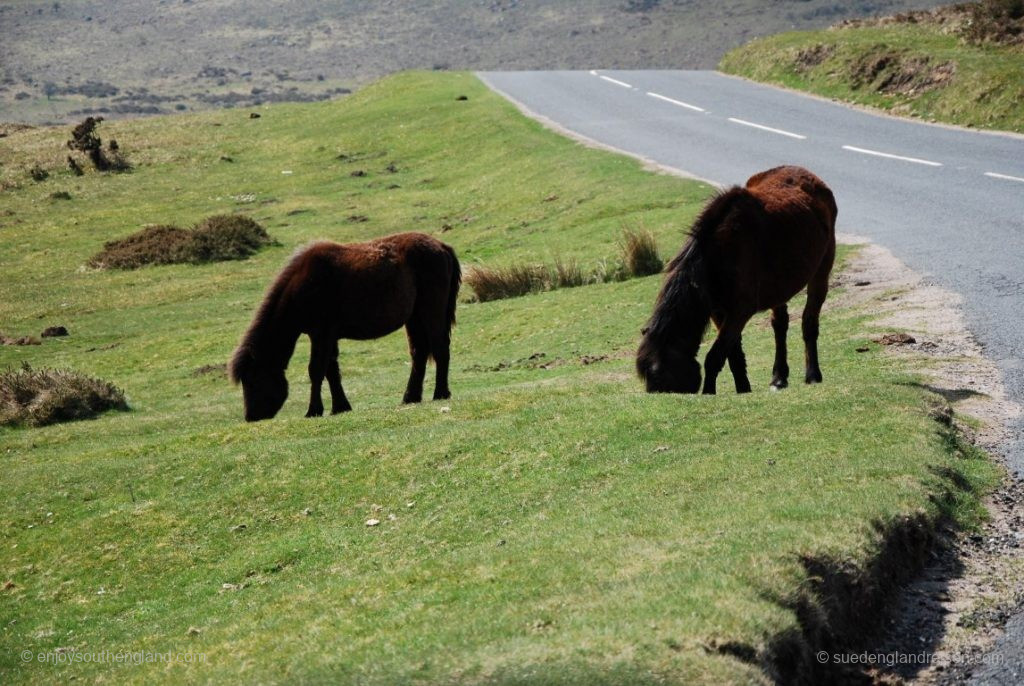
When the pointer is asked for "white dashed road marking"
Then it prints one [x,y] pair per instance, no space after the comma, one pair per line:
[1004,177]
[876,153]
[615,81]
[677,102]
[767,128]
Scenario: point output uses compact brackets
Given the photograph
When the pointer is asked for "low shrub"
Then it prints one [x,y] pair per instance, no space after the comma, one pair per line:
[215,239]
[37,397]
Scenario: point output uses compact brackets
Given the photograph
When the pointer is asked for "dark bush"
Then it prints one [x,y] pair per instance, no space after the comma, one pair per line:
[215,239]
[85,140]
[162,244]
[37,397]
[227,237]
[38,173]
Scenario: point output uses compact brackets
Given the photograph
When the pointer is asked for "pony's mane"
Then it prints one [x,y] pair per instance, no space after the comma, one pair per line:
[685,289]
[245,355]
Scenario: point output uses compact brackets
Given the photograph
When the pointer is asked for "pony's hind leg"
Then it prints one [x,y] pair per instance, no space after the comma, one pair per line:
[439,350]
[780,325]
[419,351]
[339,403]
[317,369]
[817,289]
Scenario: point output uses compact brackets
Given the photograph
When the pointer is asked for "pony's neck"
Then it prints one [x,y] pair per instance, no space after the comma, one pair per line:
[272,343]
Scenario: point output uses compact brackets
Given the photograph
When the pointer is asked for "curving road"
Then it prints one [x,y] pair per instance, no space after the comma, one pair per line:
[949,202]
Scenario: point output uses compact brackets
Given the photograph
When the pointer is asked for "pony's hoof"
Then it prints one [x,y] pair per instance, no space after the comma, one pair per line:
[411,400]
[339,410]
[442,396]
[315,413]
[814,377]
[779,384]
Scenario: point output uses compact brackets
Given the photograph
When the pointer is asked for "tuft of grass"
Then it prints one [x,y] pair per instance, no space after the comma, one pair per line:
[639,258]
[215,239]
[640,253]
[498,283]
[959,64]
[38,397]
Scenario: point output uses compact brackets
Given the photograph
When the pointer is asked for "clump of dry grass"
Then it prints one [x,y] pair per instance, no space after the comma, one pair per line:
[640,252]
[496,283]
[215,239]
[37,397]
[639,258]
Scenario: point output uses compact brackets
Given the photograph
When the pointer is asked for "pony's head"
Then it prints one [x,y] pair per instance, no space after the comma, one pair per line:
[264,387]
[665,368]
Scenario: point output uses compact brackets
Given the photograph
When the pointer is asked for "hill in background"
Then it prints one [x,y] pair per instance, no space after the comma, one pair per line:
[61,60]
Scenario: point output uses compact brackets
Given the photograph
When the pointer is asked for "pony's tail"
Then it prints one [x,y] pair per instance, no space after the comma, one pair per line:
[453,288]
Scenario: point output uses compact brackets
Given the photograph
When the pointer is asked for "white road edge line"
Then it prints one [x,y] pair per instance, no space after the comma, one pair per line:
[677,102]
[615,81]
[767,128]
[1004,176]
[593,72]
[891,157]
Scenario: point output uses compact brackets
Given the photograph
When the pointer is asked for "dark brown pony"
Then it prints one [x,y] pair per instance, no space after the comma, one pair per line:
[357,291]
[751,249]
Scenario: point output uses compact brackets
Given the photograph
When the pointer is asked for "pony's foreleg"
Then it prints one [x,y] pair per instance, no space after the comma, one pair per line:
[728,338]
[817,289]
[339,403]
[419,351]
[780,325]
[317,368]
[738,367]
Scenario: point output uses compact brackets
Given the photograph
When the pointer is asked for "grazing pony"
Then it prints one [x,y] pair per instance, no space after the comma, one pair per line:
[751,249]
[357,291]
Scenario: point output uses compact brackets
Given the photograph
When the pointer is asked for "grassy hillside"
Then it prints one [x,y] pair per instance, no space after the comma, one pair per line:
[959,65]
[60,59]
[550,523]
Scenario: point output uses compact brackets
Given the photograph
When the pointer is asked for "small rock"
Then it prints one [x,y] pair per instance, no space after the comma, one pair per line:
[445,409]
[462,98]
[391,517]
[661,449]
[193,631]
[862,349]
[410,503]
[239,527]
[307,512]
[254,115]
[372,522]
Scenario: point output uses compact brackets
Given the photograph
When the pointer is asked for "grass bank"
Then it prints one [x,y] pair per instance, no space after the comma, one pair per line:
[958,65]
[551,523]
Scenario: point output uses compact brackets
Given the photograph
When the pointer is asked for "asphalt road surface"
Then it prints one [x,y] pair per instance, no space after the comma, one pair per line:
[949,202]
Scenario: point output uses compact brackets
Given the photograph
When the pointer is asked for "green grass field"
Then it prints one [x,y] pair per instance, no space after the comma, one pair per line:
[984,90]
[551,523]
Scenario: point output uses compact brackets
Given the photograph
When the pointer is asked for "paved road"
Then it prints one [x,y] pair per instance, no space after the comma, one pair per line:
[948,202]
